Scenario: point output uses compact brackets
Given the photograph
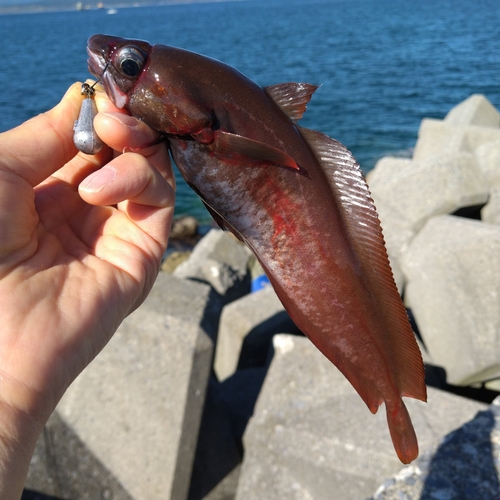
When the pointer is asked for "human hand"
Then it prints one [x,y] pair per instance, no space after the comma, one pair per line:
[80,248]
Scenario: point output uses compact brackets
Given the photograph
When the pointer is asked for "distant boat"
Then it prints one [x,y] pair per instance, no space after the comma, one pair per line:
[111,11]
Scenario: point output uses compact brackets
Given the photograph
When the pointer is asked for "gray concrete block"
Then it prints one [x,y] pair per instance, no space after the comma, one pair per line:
[436,138]
[64,467]
[464,464]
[250,321]
[312,437]
[138,406]
[493,385]
[396,233]
[218,454]
[40,476]
[220,260]
[475,110]
[386,170]
[420,190]
[433,187]
[228,408]
[490,213]
[453,281]
[468,125]
[475,137]
[488,160]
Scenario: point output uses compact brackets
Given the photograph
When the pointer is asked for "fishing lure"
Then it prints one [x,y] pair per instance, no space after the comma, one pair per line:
[85,137]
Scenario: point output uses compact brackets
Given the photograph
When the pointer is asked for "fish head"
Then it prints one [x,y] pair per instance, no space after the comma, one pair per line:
[119,63]
[149,81]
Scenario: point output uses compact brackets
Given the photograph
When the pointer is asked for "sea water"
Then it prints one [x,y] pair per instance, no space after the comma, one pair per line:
[383,65]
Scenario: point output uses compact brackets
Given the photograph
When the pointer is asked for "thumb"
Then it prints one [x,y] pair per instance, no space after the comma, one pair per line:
[42,145]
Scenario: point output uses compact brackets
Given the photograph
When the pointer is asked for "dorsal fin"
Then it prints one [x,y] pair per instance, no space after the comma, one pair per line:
[365,235]
[291,97]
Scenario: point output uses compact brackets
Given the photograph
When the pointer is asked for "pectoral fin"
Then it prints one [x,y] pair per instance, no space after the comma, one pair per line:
[237,149]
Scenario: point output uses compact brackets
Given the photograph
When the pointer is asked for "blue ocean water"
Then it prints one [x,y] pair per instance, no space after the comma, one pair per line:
[383,64]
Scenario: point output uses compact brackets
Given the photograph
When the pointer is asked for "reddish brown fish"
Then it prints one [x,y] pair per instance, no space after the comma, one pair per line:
[296,197]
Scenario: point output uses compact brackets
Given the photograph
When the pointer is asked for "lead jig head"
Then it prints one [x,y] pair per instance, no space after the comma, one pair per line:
[85,137]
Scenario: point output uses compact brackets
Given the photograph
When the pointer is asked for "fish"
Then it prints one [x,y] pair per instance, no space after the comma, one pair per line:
[296,197]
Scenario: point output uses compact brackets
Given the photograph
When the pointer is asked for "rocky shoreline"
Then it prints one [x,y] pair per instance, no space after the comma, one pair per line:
[209,391]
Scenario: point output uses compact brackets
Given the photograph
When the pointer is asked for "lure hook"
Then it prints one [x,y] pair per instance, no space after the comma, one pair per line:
[88,90]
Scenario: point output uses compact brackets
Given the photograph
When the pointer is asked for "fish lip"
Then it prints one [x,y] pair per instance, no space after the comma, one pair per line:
[95,63]
[97,66]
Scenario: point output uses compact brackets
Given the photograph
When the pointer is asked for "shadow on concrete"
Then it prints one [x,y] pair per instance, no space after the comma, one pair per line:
[35,495]
[211,314]
[228,408]
[63,468]
[257,343]
[435,376]
[470,212]
[463,467]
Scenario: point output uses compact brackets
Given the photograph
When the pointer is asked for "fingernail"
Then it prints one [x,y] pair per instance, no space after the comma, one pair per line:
[99,180]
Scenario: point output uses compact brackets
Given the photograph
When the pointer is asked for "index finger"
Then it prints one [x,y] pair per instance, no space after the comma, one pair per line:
[42,145]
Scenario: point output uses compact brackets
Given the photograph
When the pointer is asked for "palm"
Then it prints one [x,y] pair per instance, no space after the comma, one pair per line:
[70,271]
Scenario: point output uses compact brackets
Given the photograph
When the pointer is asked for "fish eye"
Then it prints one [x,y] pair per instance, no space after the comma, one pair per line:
[129,61]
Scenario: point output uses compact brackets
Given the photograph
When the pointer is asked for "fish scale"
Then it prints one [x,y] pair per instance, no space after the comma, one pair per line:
[296,197]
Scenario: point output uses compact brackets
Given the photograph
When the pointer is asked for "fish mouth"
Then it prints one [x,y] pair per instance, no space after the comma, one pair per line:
[95,62]
[98,67]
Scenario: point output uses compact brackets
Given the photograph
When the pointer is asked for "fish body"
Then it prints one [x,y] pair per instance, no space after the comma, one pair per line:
[296,197]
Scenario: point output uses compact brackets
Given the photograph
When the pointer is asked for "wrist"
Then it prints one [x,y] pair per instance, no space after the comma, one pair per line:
[23,414]
[19,432]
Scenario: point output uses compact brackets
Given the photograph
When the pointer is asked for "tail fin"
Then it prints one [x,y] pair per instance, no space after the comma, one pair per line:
[402,432]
